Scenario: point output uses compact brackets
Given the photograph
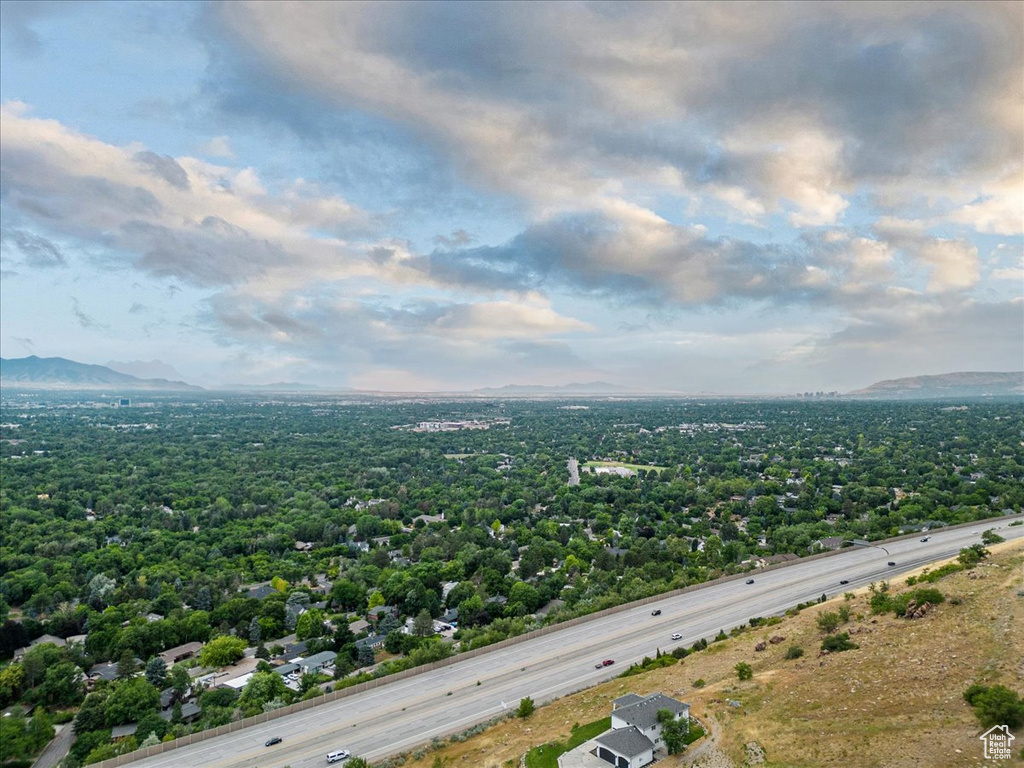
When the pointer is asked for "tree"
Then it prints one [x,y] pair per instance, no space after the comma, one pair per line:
[744,671]
[996,705]
[222,651]
[156,671]
[131,700]
[310,624]
[526,707]
[126,665]
[365,656]
[180,680]
[673,731]
[255,633]
[423,625]
[63,685]
[261,688]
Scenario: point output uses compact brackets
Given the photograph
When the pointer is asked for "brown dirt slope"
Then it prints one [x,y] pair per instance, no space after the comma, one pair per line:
[895,701]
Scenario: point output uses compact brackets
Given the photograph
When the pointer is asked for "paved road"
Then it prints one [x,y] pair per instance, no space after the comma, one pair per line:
[574,471]
[401,715]
[57,749]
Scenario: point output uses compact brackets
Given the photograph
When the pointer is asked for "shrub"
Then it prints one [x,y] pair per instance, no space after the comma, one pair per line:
[794,652]
[828,622]
[700,682]
[995,705]
[837,643]
[526,707]
[744,671]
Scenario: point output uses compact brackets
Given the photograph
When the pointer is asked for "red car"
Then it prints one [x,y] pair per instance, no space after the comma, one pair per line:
[607,662]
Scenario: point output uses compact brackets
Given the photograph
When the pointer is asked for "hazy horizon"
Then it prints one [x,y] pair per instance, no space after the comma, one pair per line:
[718,198]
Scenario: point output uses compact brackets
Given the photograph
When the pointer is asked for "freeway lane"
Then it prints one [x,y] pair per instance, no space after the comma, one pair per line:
[398,716]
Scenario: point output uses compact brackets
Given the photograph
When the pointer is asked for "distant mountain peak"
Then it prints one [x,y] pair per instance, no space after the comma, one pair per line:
[961,384]
[34,372]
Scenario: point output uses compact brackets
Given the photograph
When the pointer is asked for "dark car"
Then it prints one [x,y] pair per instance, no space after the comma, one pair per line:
[750,581]
[844,581]
[925,538]
[656,612]
[892,562]
[273,741]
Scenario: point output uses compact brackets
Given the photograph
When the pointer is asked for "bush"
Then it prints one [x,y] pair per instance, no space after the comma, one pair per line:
[744,671]
[991,537]
[794,652]
[837,643]
[700,682]
[828,622]
[995,705]
[526,707]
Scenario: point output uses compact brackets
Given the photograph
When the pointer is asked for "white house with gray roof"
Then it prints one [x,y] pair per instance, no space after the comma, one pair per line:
[635,736]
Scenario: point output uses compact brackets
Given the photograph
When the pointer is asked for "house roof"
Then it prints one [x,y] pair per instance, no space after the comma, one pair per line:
[628,742]
[107,671]
[259,593]
[644,714]
[371,641]
[318,659]
[285,669]
[120,731]
[625,701]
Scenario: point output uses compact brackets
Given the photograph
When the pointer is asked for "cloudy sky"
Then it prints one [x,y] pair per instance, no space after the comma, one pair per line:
[722,197]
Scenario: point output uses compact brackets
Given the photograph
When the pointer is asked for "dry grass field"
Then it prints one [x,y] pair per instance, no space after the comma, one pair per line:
[894,701]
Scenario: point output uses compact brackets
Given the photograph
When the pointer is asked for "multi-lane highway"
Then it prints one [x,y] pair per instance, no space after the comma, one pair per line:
[398,716]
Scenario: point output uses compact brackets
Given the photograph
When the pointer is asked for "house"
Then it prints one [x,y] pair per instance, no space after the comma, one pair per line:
[635,736]
[180,652]
[831,542]
[292,651]
[317,662]
[119,732]
[625,748]
[58,641]
[428,519]
[286,669]
[359,626]
[379,611]
[261,592]
[373,642]
[189,712]
[106,671]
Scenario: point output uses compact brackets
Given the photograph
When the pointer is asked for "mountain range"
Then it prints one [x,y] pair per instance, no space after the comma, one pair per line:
[963,384]
[59,373]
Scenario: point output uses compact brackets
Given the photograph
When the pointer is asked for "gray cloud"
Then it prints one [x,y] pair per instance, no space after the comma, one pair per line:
[39,252]
[84,320]
[165,167]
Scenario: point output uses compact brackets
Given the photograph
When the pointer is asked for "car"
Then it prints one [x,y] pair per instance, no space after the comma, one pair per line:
[599,665]
[273,741]
[676,636]
[974,533]
[925,538]
[844,581]
[607,662]
[338,756]
[750,581]
[892,562]
[656,612]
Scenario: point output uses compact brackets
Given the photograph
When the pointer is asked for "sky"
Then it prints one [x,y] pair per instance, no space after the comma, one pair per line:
[698,197]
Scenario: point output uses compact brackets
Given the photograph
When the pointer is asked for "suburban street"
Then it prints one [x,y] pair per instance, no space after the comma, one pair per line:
[399,716]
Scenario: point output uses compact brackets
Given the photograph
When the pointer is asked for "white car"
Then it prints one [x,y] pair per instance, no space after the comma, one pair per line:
[337,757]
[676,636]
